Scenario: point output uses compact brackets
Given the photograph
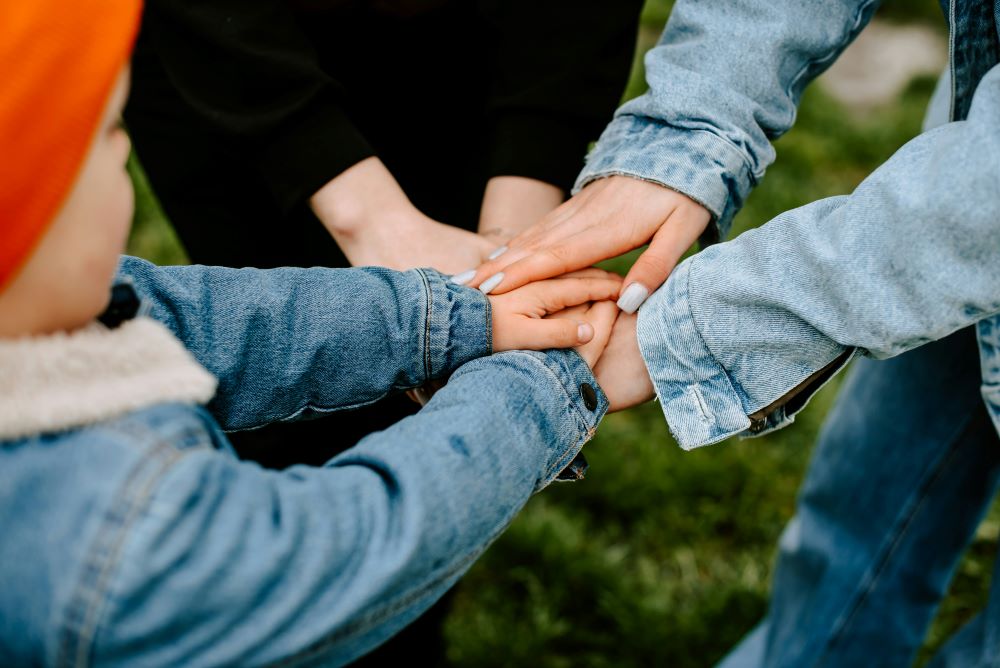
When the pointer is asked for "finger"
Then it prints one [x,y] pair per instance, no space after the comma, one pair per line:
[542,334]
[475,276]
[559,293]
[575,252]
[591,272]
[601,317]
[649,272]
[578,312]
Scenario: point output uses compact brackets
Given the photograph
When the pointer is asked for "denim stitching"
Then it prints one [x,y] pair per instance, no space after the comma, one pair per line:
[83,613]
[855,29]
[429,294]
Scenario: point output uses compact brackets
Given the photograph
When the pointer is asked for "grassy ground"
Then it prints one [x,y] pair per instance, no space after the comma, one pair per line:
[661,557]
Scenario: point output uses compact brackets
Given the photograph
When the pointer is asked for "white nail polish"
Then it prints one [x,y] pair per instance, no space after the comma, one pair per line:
[463,278]
[633,297]
[497,253]
[491,283]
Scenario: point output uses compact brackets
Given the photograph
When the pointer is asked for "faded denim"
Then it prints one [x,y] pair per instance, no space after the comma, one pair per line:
[904,274]
[912,255]
[142,540]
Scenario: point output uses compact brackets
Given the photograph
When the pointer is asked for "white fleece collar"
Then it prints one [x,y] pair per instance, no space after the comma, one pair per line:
[63,381]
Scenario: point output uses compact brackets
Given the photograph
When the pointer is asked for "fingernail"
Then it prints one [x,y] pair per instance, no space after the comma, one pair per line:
[491,283]
[633,297]
[463,278]
[497,253]
[584,332]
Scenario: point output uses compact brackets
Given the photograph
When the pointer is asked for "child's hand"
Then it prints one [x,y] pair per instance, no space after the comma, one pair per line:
[621,370]
[601,315]
[519,321]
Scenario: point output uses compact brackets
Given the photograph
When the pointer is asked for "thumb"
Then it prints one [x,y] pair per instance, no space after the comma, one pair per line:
[544,333]
[653,267]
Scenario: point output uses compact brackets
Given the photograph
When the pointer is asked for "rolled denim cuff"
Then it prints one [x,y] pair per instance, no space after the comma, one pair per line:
[697,163]
[458,326]
[697,395]
[564,388]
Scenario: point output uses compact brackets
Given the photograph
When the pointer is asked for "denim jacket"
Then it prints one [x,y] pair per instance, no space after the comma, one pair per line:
[742,332]
[133,535]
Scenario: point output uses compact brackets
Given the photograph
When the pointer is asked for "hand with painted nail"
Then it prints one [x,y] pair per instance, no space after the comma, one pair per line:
[519,316]
[607,218]
[621,370]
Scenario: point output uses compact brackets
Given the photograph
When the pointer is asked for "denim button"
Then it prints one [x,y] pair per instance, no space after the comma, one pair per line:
[589,396]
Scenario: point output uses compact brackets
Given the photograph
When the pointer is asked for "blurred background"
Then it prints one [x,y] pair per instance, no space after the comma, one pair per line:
[662,557]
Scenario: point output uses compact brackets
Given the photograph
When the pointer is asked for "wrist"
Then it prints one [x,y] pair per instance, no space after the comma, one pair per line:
[511,204]
[363,197]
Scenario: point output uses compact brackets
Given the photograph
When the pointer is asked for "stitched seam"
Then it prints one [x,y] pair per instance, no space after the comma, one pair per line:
[576,409]
[832,56]
[83,614]
[701,337]
[873,576]
[429,294]
[679,131]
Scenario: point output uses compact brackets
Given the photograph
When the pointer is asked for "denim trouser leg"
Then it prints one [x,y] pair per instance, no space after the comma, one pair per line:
[905,468]
[977,644]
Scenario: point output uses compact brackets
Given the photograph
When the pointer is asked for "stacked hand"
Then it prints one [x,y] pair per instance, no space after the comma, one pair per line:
[543,295]
[607,218]
[572,311]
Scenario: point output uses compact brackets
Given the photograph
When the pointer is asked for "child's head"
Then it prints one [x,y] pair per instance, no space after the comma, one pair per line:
[65,198]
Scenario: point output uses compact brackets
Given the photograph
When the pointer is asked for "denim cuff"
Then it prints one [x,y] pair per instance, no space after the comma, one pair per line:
[697,395]
[458,326]
[566,388]
[697,163]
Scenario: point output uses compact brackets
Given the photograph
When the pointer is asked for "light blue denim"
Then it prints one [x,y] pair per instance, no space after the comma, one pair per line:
[143,541]
[912,255]
[904,273]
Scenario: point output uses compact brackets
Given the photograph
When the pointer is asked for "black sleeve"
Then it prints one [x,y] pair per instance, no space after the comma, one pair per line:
[246,68]
[559,70]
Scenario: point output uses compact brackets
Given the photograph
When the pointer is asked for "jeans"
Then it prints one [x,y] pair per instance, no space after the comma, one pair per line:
[905,468]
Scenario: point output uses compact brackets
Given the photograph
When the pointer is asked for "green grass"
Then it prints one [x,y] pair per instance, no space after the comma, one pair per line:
[662,557]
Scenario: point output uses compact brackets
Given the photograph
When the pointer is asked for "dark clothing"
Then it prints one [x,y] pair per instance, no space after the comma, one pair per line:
[241,109]
[480,89]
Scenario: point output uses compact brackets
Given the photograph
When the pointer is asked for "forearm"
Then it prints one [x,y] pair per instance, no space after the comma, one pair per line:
[724,81]
[289,342]
[332,561]
[911,256]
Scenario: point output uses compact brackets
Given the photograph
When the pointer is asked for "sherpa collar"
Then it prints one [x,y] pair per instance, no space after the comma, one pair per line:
[63,381]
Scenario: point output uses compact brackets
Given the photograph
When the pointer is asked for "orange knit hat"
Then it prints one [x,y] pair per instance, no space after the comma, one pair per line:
[58,65]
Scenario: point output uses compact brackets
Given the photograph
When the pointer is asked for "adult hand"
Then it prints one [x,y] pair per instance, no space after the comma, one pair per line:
[621,371]
[607,218]
[511,204]
[375,224]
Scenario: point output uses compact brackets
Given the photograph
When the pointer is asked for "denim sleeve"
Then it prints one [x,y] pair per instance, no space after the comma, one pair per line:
[724,80]
[235,565]
[911,256]
[286,343]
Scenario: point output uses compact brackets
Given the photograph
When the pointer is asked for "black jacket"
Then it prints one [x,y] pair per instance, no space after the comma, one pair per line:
[269,76]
